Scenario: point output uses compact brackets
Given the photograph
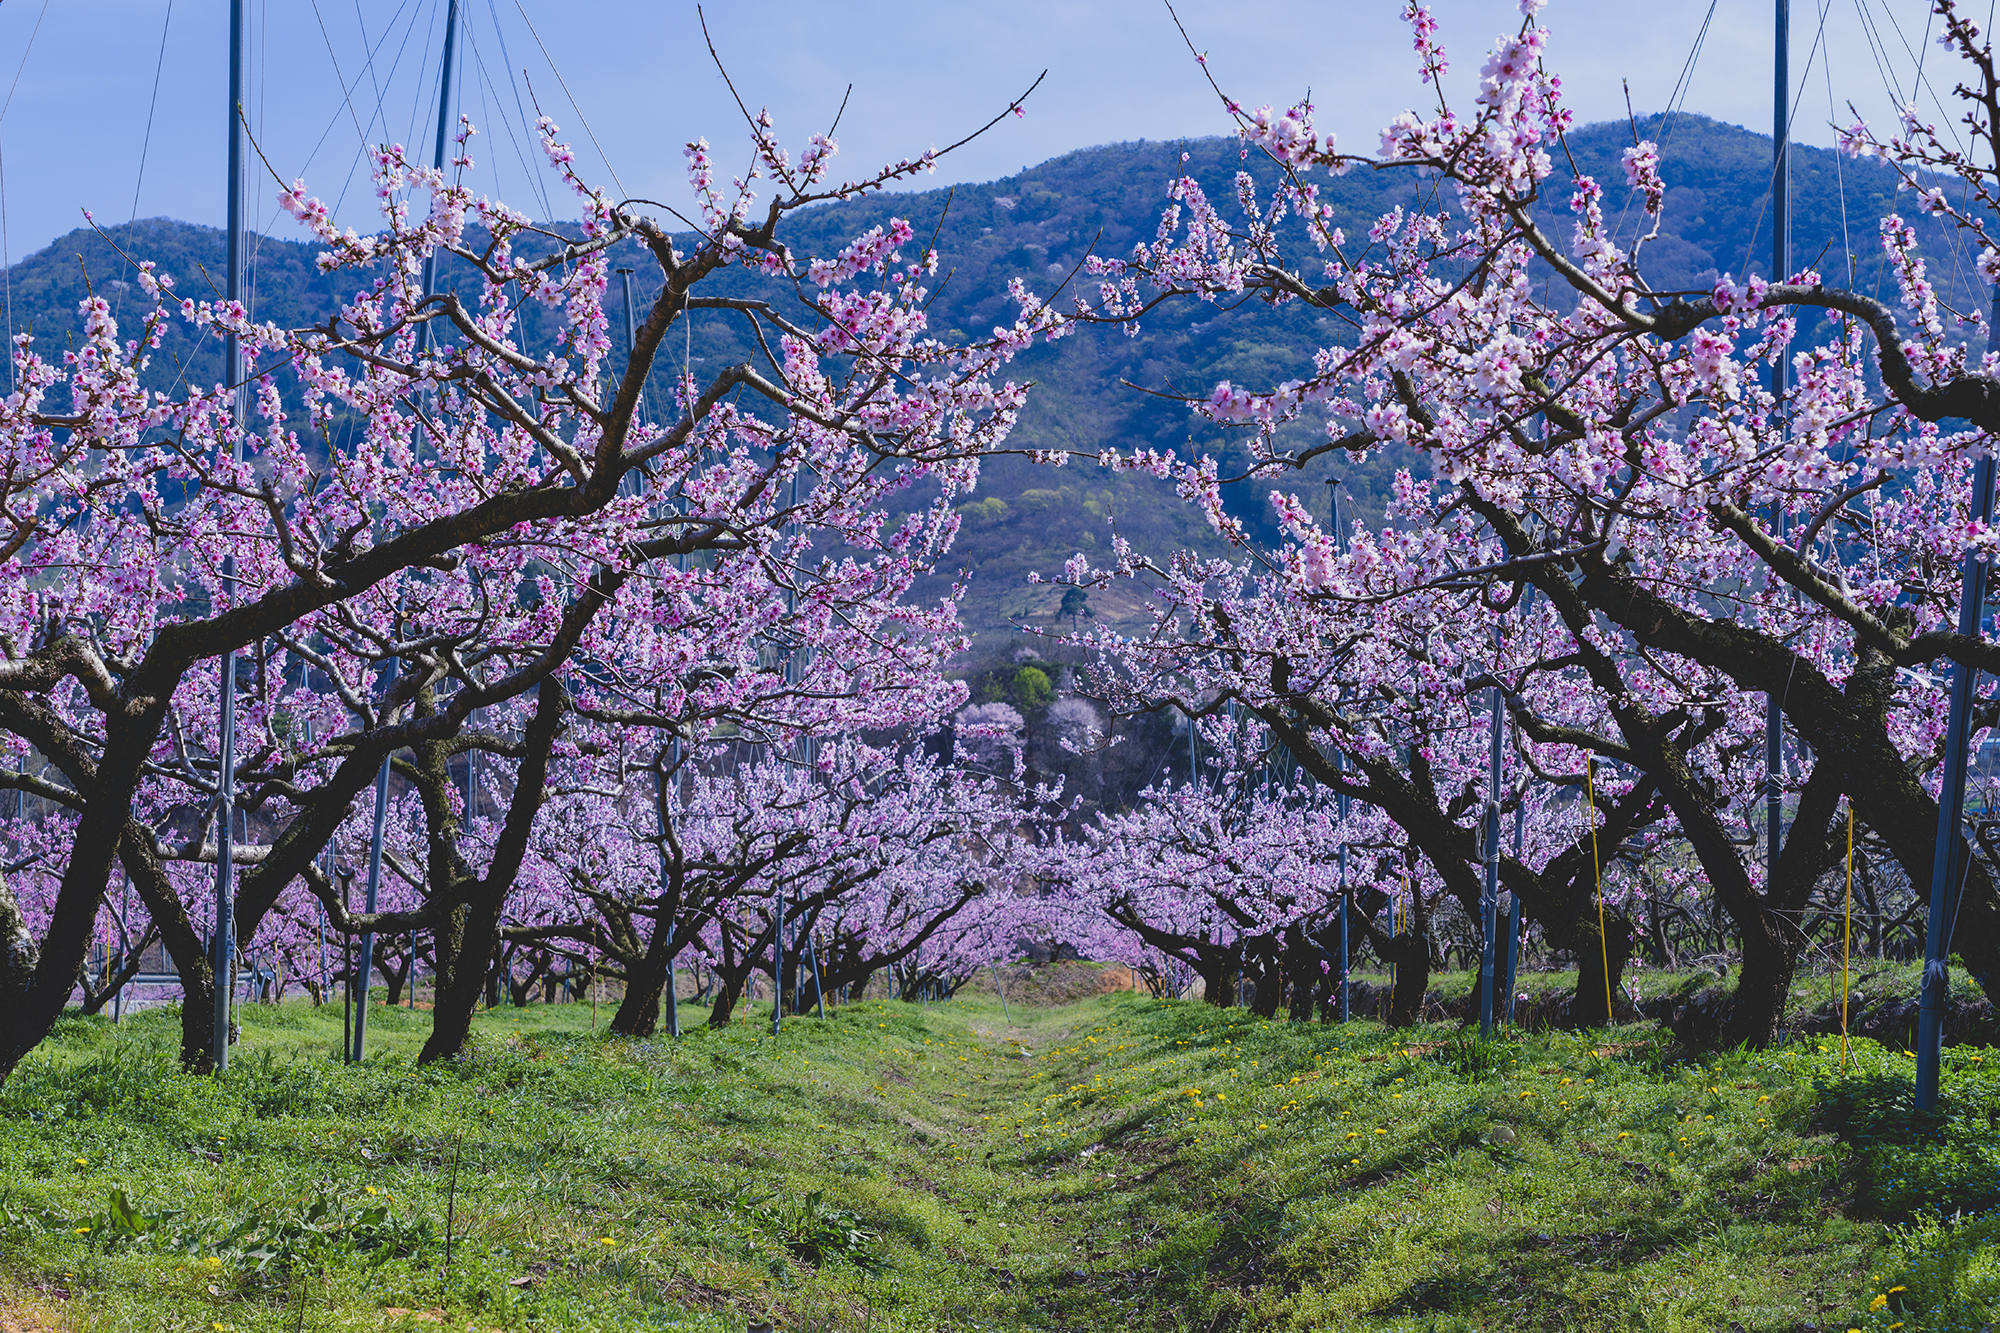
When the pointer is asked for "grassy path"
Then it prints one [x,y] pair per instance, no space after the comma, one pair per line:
[1113,1164]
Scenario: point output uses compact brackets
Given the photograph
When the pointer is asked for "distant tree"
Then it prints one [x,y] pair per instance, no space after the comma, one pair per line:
[1075,602]
[1031,688]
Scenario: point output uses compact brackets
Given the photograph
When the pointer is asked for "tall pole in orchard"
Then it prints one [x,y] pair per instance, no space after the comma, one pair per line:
[1952,859]
[1489,898]
[1781,268]
[389,674]
[224,942]
[1345,1006]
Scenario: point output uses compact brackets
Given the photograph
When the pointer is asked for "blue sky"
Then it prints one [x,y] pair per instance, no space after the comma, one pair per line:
[78,80]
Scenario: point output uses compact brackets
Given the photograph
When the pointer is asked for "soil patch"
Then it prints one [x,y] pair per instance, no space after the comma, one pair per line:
[1064,981]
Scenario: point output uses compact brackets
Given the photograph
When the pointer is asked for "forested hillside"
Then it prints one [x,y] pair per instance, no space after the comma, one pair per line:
[1101,387]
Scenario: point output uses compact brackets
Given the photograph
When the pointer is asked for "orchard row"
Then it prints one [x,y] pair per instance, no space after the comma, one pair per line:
[568,672]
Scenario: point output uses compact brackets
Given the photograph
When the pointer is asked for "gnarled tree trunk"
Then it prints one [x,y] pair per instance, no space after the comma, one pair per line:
[462,982]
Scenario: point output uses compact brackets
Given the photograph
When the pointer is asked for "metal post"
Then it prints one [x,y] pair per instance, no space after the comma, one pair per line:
[1781,267]
[1514,914]
[667,924]
[1489,902]
[224,942]
[347,987]
[819,988]
[471,798]
[1340,763]
[1951,860]
[124,947]
[321,926]
[778,963]
[1346,997]
[631,355]
[367,964]
[443,135]
[382,778]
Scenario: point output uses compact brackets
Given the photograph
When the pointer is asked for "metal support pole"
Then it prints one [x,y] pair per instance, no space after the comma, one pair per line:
[223,945]
[631,358]
[320,927]
[443,136]
[1489,901]
[347,987]
[369,903]
[819,990]
[1340,762]
[666,923]
[1951,860]
[1346,990]
[382,778]
[1514,914]
[124,949]
[778,963]
[1781,265]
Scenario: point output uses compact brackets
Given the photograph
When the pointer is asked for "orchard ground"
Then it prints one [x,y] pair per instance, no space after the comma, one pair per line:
[1117,1162]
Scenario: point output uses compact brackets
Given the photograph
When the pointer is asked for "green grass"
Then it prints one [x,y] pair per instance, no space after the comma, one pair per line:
[1119,1163]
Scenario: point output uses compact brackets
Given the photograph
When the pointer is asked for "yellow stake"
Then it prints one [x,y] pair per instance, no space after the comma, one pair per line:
[1846,936]
[1597,885]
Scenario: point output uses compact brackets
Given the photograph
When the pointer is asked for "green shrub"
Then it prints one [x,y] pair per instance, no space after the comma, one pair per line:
[1032,688]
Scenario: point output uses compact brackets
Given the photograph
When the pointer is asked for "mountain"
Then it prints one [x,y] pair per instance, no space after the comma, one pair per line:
[1101,386]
